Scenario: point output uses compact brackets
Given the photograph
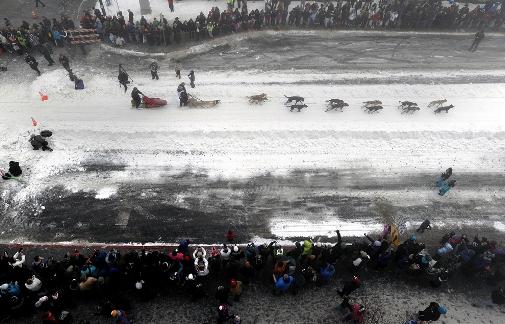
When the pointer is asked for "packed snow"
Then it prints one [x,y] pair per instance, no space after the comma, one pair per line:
[236,139]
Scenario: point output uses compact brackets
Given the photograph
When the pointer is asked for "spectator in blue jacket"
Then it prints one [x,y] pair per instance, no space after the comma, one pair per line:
[284,283]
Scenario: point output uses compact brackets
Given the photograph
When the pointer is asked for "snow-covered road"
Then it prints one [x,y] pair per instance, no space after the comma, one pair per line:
[122,174]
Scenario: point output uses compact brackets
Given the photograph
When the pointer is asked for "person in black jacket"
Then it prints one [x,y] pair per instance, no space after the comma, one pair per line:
[191,77]
[154,70]
[183,95]
[32,63]
[479,36]
[39,142]
[14,171]
[137,99]
[123,77]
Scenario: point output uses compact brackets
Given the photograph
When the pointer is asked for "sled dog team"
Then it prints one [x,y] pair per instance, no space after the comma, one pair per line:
[373,106]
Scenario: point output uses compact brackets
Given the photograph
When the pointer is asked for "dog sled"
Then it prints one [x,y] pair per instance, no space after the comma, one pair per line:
[194,102]
[257,99]
[151,102]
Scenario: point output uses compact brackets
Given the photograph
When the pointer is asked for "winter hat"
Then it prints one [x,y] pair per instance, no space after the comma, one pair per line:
[235,248]
[114,313]
[4,287]
[413,238]
[357,262]
[377,243]
[191,277]
[442,310]
[138,285]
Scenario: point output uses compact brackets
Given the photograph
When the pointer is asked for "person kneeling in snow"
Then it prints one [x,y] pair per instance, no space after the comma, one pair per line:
[40,142]
[14,171]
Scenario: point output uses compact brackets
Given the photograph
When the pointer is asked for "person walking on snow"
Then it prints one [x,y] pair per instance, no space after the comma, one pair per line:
[123,77]
[479,36]
[191,77]
[154,70]
[32,62]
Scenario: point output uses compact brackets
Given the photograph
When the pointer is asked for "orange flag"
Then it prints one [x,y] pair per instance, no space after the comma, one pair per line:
[34,122]
[43,97]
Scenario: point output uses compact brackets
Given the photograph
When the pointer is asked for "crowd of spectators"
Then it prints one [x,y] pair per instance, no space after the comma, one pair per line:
[125,28]
[384,14]
[51,286]
[39,37]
